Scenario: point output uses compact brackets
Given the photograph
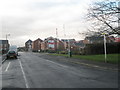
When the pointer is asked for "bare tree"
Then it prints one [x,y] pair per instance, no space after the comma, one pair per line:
[105,16]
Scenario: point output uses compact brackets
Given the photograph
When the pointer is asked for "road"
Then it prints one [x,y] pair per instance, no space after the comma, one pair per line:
[32,71]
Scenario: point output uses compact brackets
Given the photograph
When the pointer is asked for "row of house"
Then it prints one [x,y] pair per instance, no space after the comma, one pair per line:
[50,43]
[54,44]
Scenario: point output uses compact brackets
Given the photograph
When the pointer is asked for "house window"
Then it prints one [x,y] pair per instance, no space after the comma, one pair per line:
[51,41]
[51,46]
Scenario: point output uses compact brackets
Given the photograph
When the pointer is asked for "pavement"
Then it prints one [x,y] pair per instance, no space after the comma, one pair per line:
[40,70]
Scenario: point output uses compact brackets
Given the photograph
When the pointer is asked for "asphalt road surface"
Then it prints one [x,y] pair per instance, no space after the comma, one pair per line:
[32,71]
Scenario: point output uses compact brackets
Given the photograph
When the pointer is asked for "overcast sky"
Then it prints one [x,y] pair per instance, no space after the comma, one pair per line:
[32,19]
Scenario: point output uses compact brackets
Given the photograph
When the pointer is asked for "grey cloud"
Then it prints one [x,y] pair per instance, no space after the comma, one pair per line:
[16,26]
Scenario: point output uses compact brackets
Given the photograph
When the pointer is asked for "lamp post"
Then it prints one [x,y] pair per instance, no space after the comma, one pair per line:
[105,49]
[7,36]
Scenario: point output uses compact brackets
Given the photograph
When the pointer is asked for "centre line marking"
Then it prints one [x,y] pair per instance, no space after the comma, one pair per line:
[24,76]
[7,67]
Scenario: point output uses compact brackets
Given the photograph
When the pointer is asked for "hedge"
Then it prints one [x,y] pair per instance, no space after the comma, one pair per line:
[98,48]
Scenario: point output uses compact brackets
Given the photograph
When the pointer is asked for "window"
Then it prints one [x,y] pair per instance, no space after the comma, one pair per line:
[51,46]
[51,41]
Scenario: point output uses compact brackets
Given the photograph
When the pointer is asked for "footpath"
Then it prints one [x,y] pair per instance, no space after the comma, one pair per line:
[89,63]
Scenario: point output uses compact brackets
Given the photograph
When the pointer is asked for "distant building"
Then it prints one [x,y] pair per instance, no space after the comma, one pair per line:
[110,39]
[68,40]
[117,38]
[36,45]
[80,44]
[60,45]
[74,46]
[66,43]
[100,39]
[21,49]
[52,44]
[4,46]
[95,39]
[44,46]
[28,45]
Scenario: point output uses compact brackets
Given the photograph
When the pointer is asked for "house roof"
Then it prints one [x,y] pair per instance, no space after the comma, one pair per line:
[38,40]
[50,38]
[66,40]
[29,41]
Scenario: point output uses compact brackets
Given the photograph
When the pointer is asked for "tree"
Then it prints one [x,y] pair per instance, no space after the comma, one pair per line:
[105,16]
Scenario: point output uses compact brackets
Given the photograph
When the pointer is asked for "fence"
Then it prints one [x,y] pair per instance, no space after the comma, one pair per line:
[99,48]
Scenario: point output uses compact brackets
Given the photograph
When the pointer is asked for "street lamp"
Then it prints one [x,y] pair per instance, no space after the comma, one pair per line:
[7,36]
[105,49]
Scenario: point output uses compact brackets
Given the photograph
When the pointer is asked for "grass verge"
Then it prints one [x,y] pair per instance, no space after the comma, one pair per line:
[111,58]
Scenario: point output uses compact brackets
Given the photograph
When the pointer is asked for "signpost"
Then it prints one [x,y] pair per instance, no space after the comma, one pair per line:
[105,49]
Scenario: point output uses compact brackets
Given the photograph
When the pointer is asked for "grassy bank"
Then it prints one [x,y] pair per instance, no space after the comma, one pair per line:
[111,58]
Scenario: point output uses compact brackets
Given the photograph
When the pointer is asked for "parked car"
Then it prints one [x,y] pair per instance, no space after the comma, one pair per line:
[13,48]
[11,54]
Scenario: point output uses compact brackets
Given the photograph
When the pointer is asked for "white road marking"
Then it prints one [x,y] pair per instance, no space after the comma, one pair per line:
[7,67]
[24,76]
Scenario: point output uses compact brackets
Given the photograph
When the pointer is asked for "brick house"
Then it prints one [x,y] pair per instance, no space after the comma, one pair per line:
[66,43]
[99,39]
[60,45]
[117,38]
[4,46]
[36,45]
[79,46]
[28,45]
[52,44]
[44,46]
[94,39]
